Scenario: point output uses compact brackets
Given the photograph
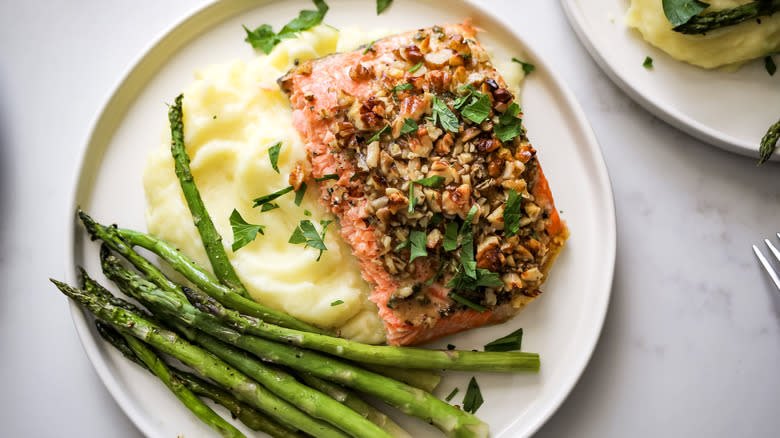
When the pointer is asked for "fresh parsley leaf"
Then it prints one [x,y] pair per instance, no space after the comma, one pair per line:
[401,87]
[369,47]
[432,181]
[451,236]
[509,126]
[462,100]
[409,126]
[326,177]
[527,66]
[381,5]
[485,278]
[401,245]
[452,394]
[436,219]
[512,212]
[436,275]
[307,234]
[681,11]
[378,134]
[297,236]
[418,241]
[273,155]
[467,244]
[270,197]
[269,206]
[648,64]
[446,118]
[510,342]
[412,198]
[466,302]
[770,65]
[479,108]
[473,398]
[415,67]
[299,194]
[306,213]
[265,38]
[243,232]
[336,303]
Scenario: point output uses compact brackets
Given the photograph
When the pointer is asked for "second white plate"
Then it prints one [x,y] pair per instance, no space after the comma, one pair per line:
[729,110]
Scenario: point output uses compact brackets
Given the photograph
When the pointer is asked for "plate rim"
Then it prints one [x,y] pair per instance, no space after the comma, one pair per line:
[81,320]
[666,113]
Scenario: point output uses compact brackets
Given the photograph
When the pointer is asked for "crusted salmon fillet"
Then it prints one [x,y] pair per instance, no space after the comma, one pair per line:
[420,153]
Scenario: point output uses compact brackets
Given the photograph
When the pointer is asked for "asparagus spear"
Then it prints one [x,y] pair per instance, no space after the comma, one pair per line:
[769,143]
[249,416]
[423,379]
[203,362]
[212,241]
[418,358]
[413,401]
[727,17]
[112,238]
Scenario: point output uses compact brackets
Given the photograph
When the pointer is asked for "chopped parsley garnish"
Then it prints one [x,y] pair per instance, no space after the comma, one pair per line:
[415,67]
[452,394]
[326,177]
[269,206]
[265,38]
[306,213]
[299,194]
[401,87]
[409,126]
[461,281]
[401,245]
[770,65]
[370,46]
[648,64]
[336,303]
[243,232]
[509,126]
[510,342]
[445,117]
[431,181]
[418,248]
[527,66]
[451,236]
[473,398]
[436,275]
[381,5]
[273,155]
[478,109]
[436,219]
[512,212]
[467,244]
[307,234]
[681,11]
[379,133]
[466,302]
[270,197]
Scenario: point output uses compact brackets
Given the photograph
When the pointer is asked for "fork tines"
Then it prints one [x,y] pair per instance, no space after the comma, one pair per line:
[765,263]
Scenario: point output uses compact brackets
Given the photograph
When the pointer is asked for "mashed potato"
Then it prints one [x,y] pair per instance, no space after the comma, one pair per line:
[232,114]
[726,46]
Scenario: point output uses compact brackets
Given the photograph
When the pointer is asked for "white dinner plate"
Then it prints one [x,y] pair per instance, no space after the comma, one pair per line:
[563,325]
[731,110]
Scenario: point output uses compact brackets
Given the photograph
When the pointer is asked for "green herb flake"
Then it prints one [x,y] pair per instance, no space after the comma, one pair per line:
[510,342]
[369,47]
[409,126]
[306,213]
[307,234]
[451,236]
[401,87]
[381,5]
[431,181]
[473,398]
[418,245]
[269,206]
[466,302]
[326,177]
[770,65]
[270,197]
[436,219]
[467,244]
[479,108]
[273,155]
[527,66]
[485,278]
[265,38]
[215,117]
[509,126]
[243,232]
[446,118]
[681,11]
[452,394]
[512,212]
[336,303]
[401,245]
[299,194]
[378,134]
[415,67]
[648,64]
[436,275]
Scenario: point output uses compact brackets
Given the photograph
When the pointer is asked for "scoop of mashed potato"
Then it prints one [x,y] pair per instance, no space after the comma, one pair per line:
[731,45]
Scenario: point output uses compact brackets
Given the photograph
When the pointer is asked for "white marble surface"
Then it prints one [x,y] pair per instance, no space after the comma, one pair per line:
[691,344]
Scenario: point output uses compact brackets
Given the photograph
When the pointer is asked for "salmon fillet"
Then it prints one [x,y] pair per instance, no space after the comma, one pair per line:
[419,150]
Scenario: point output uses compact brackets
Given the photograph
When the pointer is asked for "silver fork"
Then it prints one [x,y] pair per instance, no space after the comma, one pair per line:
[768,266]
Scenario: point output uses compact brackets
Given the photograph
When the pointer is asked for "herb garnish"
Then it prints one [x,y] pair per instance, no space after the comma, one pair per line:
[527,66]
[265,38]
[400,87]
[452,394]
[442,113]
[379,133]
[270,197]
[509,126]
[648,64]
[770,65]
[370,46]
[681,11]
[307,234]
[243,232]
[466,302]
[415,67]
[431,181]
[436,275]
[436,219]
[473,398]
[418,247]
[467,244]
[381,5]
[326,177]
[409,126]
[299,194]
[510,342]
[273,155]
[269,206]
[336,303]
[451,236]
[461,281]
[512,211]
[478,109]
